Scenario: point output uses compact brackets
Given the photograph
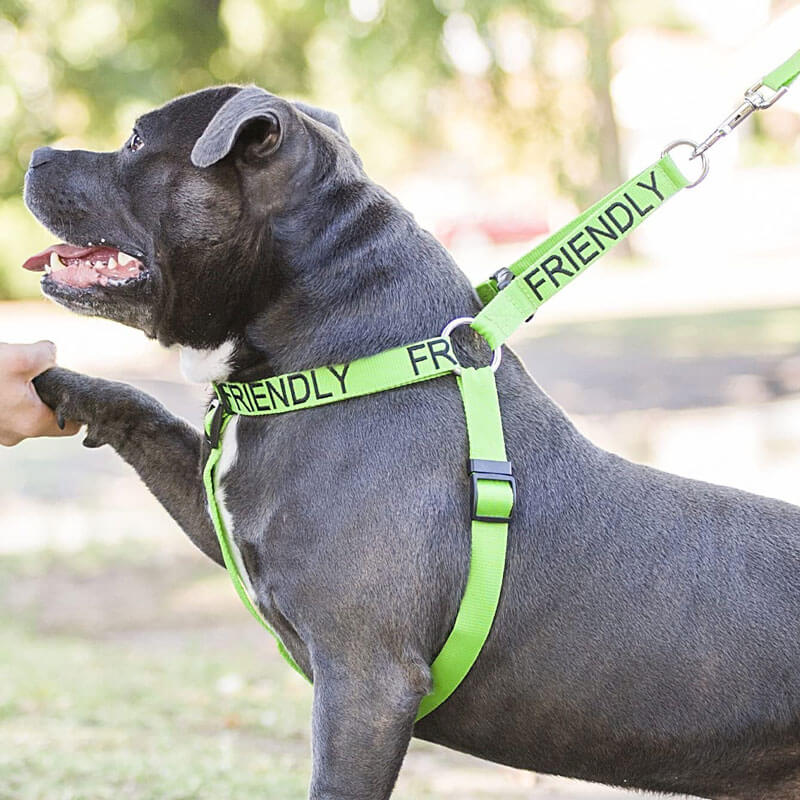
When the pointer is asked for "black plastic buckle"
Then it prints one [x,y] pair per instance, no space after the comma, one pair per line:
[215,429]
[484,468]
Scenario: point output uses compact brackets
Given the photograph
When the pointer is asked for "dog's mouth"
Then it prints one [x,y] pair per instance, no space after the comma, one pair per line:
[83,267]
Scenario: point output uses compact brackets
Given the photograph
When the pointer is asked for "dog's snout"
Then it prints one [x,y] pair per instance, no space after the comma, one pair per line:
[41,155]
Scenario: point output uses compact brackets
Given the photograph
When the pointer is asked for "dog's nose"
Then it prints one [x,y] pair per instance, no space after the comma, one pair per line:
[41,155]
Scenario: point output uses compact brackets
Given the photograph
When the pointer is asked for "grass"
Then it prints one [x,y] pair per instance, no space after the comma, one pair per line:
[136,708]
[86,719]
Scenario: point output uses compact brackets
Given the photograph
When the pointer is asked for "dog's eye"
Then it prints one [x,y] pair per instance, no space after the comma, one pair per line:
[135,142]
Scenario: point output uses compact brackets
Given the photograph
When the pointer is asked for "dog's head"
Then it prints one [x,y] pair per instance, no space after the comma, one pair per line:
[172,232]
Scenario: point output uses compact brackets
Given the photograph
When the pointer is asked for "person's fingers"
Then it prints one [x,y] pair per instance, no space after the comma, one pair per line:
[45,424]
[25,415]
[27,360]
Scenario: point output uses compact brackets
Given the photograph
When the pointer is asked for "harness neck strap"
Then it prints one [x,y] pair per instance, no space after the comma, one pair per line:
[400,366]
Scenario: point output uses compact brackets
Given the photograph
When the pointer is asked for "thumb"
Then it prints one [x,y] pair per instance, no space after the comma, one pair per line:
[29,360]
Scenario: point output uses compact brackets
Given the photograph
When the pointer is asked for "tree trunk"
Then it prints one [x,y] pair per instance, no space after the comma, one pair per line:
[600,36]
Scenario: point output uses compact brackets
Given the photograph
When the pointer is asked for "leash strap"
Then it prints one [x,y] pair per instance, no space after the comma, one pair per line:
[784,75]
[550,266]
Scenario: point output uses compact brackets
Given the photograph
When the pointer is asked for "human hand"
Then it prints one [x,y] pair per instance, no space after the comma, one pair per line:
[22,413]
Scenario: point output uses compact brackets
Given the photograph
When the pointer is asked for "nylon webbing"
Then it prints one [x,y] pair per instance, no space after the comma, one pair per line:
[563,256]
[785,74]
[408,364]
[232,563]
[293,391]
[488,552]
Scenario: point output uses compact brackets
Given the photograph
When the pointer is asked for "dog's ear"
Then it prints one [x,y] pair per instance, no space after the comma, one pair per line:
[252,109]
[327,118]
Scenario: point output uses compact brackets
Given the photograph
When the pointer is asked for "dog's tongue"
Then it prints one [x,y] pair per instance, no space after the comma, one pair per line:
[37,263]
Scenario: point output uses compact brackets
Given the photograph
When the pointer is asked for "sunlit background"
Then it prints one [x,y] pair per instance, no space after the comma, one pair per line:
[127,666]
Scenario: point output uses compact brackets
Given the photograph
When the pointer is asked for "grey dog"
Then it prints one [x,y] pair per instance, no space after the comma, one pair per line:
[648,629]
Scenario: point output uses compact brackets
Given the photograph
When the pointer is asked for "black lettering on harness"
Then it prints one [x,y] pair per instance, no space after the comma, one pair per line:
[281,395]
[259,400]
[620,226]
[578,249]
[317,393]
[298,376]
[238,396]
[227,392]
[414,359]
[248,390]
[443,351]
[341,378]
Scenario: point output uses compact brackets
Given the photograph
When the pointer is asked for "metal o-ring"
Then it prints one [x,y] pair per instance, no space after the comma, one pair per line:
[693,145]
[497,355]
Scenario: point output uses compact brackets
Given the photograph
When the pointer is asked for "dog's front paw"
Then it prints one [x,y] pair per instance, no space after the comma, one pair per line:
[77,397]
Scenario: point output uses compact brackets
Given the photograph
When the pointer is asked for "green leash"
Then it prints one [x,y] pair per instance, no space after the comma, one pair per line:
[510,297]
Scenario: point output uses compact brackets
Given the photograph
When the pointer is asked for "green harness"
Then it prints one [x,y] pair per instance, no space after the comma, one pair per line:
[510,297]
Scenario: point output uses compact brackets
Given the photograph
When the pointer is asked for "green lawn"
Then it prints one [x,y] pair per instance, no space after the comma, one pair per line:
[127,713]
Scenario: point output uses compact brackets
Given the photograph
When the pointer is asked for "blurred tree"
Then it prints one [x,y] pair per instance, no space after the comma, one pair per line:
[521,82]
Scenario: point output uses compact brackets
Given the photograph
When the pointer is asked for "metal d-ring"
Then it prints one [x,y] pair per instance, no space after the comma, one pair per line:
[497,355]
[695,152]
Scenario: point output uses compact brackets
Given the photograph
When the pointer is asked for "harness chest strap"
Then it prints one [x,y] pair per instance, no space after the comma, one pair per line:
[215,425]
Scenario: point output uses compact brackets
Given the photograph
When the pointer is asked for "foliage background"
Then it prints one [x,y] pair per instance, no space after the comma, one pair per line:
[497,86]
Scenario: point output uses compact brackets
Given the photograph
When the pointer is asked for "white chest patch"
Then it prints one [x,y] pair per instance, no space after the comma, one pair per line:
[205,366]
[230,452]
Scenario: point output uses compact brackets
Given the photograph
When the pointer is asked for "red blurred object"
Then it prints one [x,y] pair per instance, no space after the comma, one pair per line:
[497,230]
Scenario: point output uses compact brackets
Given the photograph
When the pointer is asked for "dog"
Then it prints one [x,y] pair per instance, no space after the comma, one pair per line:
[648,632]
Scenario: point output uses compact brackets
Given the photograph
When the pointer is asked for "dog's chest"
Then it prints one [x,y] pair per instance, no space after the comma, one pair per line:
[225,465]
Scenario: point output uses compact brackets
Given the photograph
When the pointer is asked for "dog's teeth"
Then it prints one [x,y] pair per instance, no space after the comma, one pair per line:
[55,262]
[112,264]
[124,258]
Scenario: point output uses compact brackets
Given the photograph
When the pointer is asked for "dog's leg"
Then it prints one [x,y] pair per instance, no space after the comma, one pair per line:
[362,722]
[165,451]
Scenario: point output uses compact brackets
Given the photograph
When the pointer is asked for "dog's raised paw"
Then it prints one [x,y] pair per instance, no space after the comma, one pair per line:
[67,393]
[74,397]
